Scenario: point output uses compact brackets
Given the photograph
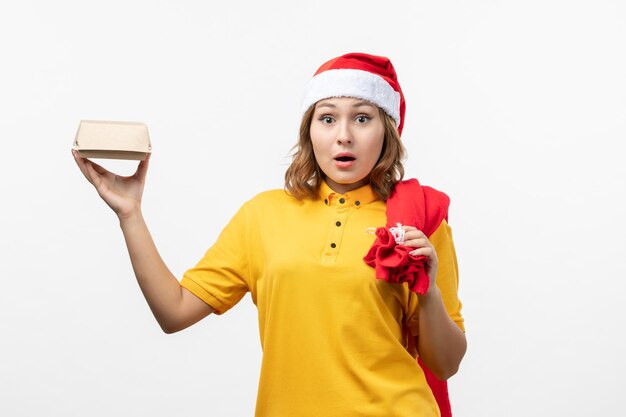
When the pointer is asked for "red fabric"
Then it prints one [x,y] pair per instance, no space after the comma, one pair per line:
[439,389]
[411,205]
[424,208]
[394,264]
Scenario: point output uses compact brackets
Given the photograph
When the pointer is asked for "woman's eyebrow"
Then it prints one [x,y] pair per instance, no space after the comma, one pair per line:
[363,103]
[357,104]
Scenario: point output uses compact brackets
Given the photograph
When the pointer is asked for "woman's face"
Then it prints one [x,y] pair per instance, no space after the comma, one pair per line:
[347,135]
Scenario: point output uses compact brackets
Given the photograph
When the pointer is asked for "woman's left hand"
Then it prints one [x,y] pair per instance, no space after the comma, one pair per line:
[417,239]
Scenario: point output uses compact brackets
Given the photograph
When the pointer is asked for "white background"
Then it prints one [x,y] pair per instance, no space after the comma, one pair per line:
[515,109]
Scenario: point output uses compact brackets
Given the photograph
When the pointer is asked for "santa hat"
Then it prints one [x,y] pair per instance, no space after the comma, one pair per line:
[368,77]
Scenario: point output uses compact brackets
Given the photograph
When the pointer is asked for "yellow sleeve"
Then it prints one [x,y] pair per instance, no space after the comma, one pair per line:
[447,280]
[222,277]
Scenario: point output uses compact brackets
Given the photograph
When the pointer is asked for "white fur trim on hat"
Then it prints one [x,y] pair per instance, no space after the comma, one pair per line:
[352,83]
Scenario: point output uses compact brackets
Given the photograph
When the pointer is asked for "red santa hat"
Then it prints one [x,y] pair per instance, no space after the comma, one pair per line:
[358,75]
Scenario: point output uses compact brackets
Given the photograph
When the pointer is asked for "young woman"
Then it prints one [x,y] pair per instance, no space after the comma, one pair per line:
[336,340]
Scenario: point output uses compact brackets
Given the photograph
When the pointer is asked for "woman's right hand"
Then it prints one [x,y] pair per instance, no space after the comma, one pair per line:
[122,194]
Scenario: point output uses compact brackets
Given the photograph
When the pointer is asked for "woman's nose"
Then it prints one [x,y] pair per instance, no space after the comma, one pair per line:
[344,136]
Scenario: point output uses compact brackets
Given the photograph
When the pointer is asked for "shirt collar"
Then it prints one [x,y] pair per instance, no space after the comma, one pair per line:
[355,198]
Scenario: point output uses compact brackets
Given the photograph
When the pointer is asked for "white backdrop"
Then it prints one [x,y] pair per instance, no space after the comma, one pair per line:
[515,109]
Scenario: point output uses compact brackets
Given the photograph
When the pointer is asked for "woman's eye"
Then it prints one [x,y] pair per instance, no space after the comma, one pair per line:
[326,119]
[362,119]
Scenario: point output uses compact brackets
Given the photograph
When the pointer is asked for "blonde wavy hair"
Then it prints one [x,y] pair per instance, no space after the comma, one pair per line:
[304,176]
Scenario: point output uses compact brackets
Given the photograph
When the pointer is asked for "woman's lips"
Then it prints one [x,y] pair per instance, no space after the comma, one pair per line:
[344,161]
[344,164]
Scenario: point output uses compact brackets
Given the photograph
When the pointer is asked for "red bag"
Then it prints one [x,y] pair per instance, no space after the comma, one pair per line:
[425,208]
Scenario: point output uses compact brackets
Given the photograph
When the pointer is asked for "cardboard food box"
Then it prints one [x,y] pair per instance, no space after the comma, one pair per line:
[112,140]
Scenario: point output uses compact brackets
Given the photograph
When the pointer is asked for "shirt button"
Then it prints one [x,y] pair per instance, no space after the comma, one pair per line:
[338,224]
[357,203]
[332,245]
[342,200]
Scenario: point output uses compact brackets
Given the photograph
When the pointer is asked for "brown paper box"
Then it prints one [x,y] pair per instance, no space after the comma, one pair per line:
[112,140]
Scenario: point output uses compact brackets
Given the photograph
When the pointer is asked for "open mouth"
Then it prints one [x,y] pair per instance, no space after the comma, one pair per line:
[345,158]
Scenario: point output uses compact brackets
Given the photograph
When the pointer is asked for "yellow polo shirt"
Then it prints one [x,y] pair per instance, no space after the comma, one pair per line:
[334,338]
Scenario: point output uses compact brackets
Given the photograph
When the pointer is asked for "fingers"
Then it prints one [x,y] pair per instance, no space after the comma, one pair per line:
[417,239]
[414,237]
[95,178]
[416,243]
[81,162]
[92,171]
[414,232]
[427,251]
[142,169]
[98,168]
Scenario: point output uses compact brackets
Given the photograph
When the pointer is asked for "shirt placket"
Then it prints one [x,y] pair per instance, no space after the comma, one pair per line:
[342,207]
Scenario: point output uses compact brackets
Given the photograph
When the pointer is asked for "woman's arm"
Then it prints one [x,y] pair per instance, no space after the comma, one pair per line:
[441,343]
[174,307]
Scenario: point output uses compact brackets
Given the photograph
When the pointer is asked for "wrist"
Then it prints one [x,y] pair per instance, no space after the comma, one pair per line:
[130,219]
[432,295]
